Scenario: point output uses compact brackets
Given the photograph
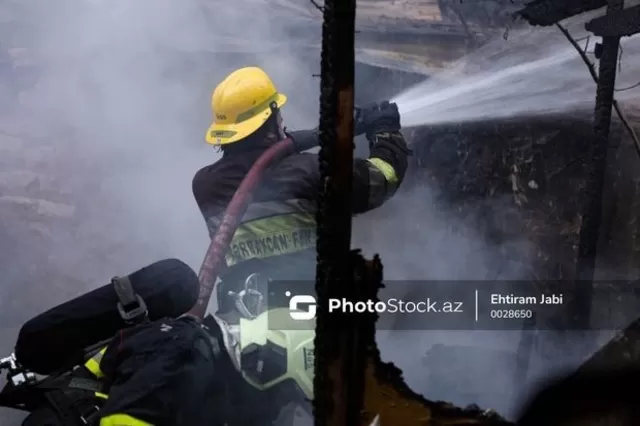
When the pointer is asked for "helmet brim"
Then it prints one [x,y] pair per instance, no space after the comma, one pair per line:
[224,134]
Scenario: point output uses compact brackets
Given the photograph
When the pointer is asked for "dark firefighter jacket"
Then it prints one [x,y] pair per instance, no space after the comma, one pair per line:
[277,231]
[162,373]
[176,372]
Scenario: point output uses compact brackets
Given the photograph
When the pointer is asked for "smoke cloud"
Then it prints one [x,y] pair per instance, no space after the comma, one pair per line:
[125,90]
[122,104]
[116,122]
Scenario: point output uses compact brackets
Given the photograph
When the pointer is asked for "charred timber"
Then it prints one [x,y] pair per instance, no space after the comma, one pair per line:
[340,356]
[594,190]
[549,12]
[622,23]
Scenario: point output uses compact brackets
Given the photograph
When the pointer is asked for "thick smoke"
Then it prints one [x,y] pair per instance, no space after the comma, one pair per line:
[127,86]
[123,97]
[419,238]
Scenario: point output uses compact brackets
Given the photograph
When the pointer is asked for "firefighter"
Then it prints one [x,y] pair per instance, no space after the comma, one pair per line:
[276,236]
[159,369]
[152,365]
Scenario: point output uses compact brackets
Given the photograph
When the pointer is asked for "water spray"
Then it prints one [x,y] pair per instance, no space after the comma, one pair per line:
[547,80]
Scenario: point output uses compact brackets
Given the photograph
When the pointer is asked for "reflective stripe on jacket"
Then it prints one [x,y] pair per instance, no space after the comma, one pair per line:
[93,363]
[122,420]
[281,218]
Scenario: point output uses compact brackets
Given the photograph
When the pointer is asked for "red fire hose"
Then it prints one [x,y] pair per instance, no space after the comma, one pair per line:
[213,259]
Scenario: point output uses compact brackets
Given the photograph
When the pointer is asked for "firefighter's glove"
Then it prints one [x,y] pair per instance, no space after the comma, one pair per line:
[304,139]
[385,118]
[377,117]
[382,143]
[361,118]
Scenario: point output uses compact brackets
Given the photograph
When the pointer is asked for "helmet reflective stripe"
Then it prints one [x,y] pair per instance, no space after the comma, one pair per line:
[269,357]
[219,135]
[270,102]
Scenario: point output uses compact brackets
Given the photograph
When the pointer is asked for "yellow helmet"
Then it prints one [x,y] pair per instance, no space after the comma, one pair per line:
[241,104]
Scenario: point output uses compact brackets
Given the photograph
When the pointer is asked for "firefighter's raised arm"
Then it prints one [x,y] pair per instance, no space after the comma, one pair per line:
[376,178]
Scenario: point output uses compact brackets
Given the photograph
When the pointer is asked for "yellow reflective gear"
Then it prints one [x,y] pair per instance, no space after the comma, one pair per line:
[272,236]
[241,104]
[122,420]
[294,346]
[102,395]
[386,169]
[93,364]
[263,209]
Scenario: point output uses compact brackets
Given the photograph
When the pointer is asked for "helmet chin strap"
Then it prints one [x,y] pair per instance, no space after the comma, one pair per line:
[281,129]
[282,132]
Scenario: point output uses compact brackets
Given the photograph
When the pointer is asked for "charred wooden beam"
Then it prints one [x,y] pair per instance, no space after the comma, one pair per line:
[549,12]
[621,23]
[339,351]
[389,400]
[594,190]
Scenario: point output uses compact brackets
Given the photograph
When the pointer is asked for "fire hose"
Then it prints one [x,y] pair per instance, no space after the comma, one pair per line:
[213,259]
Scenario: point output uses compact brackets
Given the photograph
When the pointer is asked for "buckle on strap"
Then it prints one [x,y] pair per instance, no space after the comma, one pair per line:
[89,415]
[250,300]
[131,306]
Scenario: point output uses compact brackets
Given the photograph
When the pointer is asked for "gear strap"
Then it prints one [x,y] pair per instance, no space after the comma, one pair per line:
[85,384]
[70,408]
[131,306]
[73,412]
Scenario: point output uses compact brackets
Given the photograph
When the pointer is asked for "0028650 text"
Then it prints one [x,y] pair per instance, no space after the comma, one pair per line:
[511,313]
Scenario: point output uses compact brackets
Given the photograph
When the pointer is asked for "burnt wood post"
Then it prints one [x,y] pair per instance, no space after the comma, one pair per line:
[339,352]
[592,210]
